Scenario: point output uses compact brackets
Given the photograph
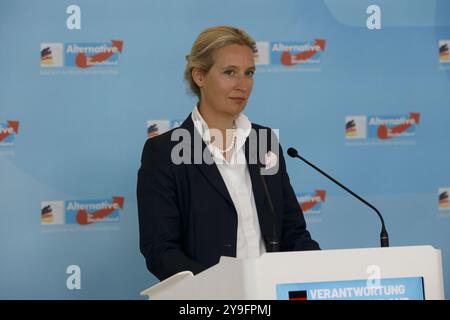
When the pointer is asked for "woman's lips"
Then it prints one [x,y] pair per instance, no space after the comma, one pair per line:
[237,99]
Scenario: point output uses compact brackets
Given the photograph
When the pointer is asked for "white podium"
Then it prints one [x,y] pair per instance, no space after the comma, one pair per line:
[373,273]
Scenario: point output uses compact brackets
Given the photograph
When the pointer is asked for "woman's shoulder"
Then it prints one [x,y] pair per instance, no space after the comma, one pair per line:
[261,129]
[158,142]
[158,148]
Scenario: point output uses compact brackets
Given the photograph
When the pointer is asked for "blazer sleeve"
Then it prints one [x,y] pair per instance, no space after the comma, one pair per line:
[295,236]
[160,235]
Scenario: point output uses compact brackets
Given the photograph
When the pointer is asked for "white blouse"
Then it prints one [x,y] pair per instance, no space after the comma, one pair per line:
[236,176]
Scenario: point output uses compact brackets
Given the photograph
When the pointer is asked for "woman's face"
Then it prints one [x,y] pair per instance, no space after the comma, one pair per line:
[227,86]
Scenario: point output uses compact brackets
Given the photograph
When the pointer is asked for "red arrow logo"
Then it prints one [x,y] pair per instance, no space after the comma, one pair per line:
[83,61]
[84,218]
[4,133]
[307,205]
[384,132]
[289,59]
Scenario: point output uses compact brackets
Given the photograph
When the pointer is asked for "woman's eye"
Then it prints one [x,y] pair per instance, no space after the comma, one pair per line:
[233,73]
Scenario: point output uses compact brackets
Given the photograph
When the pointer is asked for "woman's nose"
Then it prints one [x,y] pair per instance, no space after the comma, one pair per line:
[243,83]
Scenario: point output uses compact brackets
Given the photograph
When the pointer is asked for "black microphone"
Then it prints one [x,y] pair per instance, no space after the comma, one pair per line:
[384,238]
[273,243]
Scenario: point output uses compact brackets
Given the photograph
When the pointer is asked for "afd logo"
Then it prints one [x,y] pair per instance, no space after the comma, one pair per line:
[81,55]
[444,51]
[289,53]
[355,127]
[443,195]
[311,202]
[8,132]
[81,212]
[157,127]
[381,127]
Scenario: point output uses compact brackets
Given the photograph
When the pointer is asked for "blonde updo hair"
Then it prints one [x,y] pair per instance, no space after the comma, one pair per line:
[206,45]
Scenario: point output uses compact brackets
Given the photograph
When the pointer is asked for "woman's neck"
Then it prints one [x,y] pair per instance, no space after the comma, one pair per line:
[218,121]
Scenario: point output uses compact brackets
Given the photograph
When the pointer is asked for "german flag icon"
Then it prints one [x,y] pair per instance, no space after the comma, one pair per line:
[298,295]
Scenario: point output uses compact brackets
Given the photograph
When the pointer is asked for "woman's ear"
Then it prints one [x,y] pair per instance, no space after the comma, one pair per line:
[198,76]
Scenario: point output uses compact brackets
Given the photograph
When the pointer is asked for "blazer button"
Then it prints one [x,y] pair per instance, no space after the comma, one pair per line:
[228,245]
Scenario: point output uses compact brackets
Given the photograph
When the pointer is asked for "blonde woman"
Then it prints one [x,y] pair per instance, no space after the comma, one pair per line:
[195,207]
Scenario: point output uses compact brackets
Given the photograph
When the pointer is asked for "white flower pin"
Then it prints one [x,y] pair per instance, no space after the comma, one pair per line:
[271,160]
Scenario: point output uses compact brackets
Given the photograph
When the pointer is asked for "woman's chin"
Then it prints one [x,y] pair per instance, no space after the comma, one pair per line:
[236,108]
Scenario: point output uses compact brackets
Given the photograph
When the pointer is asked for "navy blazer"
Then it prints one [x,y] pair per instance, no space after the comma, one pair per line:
[187,219]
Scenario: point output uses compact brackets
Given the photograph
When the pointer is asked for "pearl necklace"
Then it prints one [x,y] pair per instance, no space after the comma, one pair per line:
[233,141]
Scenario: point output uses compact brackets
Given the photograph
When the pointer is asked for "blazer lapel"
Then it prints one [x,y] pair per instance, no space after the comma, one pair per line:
[254,170]
[210,171]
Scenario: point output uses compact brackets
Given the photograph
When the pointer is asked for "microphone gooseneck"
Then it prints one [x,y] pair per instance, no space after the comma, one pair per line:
[384,238]
[273,242]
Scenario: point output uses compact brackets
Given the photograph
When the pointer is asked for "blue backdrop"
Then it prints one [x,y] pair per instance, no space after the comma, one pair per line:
[371,107]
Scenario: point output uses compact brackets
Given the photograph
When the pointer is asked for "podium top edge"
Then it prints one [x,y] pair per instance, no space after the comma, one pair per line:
[396,248]
[167,283]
